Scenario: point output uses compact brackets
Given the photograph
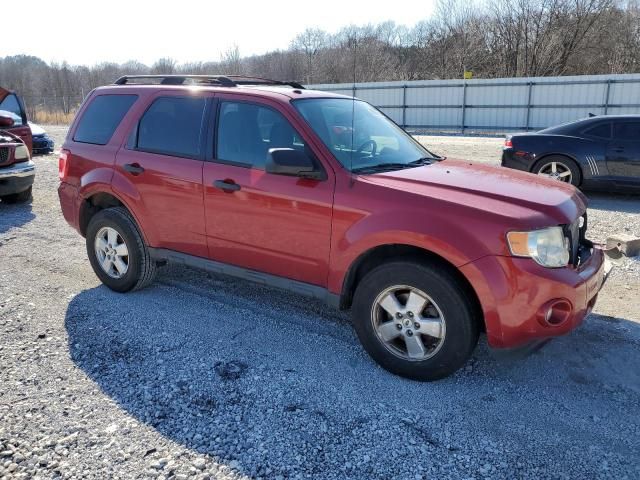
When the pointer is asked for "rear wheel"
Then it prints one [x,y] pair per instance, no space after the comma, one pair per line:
[117,251]
[416,320]
[22,197]
[559,168]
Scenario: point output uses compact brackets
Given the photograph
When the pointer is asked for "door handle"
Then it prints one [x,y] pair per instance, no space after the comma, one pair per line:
[133,168]
[226,185]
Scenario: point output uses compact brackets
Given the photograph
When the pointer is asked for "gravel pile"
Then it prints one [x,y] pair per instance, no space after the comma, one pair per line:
[201,376]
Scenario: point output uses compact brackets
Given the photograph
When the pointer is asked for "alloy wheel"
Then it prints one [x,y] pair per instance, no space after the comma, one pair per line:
[408,323]
[112,252]
[557,171]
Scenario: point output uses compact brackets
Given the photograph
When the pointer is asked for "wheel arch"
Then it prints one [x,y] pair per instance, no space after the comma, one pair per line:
[97,201]
[378,255]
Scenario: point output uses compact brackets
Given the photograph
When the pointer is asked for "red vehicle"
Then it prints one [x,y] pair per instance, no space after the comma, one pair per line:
[12,105]
[324,195]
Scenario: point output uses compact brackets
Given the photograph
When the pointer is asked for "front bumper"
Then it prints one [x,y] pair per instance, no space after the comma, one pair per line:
[517,293]
[42,145]
[17,177]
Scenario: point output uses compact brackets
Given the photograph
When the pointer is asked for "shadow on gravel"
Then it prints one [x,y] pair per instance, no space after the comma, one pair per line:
[275,384]
[614,202]
[14,215]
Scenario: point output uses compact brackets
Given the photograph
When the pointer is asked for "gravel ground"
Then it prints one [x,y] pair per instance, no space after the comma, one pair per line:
[201,376]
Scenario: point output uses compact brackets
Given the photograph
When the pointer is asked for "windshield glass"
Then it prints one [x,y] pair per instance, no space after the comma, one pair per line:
[359,136]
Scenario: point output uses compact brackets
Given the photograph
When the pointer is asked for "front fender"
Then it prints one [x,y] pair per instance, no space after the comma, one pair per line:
[455,241]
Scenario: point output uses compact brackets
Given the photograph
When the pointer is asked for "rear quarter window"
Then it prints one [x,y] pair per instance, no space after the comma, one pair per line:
[101,118]
[602,130]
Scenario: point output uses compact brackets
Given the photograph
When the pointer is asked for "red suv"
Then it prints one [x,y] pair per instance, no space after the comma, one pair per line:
[323,195]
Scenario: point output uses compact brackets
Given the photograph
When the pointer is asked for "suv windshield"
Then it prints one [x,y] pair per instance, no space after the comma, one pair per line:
[360,136]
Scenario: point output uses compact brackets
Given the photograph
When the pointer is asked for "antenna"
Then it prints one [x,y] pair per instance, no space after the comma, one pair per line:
[354,41]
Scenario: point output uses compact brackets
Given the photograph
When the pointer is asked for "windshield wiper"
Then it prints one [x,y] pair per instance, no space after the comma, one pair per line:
[423,161]
[382,167]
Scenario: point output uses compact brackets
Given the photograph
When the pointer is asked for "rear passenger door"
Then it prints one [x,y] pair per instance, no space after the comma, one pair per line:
[163,160]
[623,152]
[275,224]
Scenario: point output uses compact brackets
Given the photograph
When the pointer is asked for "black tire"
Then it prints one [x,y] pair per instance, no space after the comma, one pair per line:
[576,173]
[452,298]
[22,197]
[141,267]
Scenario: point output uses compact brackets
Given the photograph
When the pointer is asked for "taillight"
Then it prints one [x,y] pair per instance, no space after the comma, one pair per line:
[508,143]
[63,164]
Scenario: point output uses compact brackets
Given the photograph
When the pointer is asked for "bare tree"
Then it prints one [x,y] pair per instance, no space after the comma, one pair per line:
[165,66]
[494,38]
[231,60]
[309,43]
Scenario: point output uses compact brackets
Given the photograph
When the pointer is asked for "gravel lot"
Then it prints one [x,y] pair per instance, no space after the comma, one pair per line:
[208,377]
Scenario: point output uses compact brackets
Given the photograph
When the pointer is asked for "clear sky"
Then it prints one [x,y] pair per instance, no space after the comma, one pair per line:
[93,31]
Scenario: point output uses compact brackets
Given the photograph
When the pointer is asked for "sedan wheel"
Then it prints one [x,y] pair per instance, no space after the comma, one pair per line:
[557,171]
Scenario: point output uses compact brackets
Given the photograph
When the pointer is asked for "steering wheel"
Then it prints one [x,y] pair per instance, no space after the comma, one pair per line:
[374,147]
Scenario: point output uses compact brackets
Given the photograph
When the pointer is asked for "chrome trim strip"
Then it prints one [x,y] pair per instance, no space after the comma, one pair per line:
[593,165]
[22,169]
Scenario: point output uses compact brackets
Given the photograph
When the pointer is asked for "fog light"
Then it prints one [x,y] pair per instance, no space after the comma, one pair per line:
[554,313]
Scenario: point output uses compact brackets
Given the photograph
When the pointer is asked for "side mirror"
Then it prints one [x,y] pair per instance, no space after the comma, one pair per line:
[6,121]
[292,162]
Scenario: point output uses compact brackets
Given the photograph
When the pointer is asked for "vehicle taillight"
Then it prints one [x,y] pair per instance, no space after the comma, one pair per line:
[507,142]
[63,164]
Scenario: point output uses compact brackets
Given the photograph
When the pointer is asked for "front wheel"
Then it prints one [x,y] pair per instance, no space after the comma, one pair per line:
[117,251]
[416,320]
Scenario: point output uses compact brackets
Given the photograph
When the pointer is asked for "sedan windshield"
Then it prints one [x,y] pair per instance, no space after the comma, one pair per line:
[361,137]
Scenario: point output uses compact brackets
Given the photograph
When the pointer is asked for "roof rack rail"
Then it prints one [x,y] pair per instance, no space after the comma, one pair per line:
[221,80]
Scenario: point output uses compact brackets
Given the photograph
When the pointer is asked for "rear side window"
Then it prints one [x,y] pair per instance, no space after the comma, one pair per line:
[627,131]
[101,118]
[600,131]
[172,126]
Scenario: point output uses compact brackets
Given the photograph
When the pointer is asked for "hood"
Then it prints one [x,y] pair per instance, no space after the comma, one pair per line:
[497,190]
[36,129]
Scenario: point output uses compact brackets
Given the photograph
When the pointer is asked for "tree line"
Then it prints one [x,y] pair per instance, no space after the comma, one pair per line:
[491,38]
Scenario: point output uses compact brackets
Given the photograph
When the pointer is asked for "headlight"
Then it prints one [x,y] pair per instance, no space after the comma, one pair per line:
[22,153]
[548,247]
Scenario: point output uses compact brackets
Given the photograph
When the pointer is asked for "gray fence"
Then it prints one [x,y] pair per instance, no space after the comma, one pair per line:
[497,105]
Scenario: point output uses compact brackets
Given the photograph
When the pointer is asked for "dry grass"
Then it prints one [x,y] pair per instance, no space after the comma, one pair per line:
[53,117]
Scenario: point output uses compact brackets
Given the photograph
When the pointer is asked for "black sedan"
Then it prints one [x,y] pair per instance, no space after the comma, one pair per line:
[600,152]
[42,143]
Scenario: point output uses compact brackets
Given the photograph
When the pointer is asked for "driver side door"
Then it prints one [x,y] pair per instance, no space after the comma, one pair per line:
[270,223]
[11,103]
[623,152]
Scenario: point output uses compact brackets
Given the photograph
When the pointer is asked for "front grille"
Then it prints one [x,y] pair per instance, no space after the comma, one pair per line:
[4,154]
[579,246]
